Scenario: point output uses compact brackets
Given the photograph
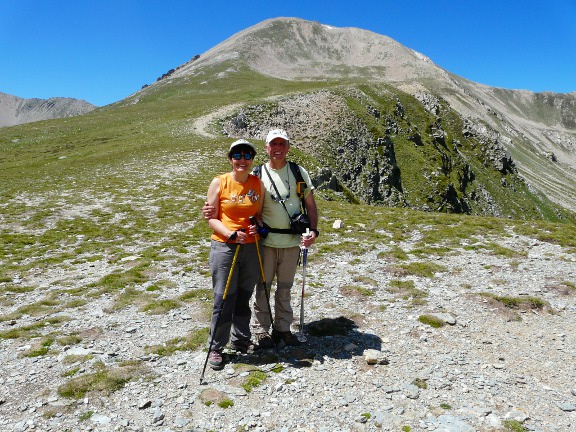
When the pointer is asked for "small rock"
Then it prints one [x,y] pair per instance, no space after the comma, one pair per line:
[373,357]
[338,224]
[100,419]
[144,403]
[158,415]
[568,407]
[446,317]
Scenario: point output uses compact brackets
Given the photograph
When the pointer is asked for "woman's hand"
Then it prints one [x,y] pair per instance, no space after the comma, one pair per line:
[242,237]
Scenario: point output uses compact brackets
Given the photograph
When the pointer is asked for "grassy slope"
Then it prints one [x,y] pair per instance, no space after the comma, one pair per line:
[131,178]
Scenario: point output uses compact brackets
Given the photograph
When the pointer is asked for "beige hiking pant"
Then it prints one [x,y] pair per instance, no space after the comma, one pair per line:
[280,265]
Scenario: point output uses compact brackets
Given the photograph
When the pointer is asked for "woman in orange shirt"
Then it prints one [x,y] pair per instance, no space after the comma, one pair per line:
[237,196]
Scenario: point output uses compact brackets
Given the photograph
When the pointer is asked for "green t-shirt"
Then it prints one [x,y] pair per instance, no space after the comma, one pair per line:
[273,213]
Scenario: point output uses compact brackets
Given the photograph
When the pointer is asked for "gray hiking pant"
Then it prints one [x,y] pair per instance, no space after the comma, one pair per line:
[279,263]
[234,323]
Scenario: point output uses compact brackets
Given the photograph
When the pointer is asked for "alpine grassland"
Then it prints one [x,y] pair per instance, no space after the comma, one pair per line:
[113,198]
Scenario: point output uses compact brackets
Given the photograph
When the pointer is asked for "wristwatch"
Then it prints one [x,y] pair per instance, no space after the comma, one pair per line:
[315,231]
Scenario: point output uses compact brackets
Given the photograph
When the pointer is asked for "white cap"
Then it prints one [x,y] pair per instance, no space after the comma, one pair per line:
[276,133]
[241,142]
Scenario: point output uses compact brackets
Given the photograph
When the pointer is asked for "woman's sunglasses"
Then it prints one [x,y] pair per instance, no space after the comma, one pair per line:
[238,156]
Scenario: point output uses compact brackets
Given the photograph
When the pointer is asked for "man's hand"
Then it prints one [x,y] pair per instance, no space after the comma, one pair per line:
[307,240]
[208,211]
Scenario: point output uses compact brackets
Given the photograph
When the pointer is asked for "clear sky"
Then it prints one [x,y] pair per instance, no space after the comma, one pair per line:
[104,50]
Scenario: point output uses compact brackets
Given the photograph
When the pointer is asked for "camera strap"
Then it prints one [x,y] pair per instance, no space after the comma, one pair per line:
[281,201]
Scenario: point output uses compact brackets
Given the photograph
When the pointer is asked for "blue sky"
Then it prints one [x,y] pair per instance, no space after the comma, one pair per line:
[104,50]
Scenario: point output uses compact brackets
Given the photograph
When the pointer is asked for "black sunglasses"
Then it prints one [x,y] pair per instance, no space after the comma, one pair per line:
[238,156]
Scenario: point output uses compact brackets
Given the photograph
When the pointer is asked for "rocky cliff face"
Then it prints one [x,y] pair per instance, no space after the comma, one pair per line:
[396,150]
[15,110]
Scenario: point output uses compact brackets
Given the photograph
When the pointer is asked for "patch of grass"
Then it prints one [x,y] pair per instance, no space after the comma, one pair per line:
[423,268]
[104,380]
[524,302]
[254,379]
[514,426]
[226,403]
[42,307]
[431,320]
[497,249]
[352,247]
[85,415]
[191,342]
[75,304]
[157,307]
[69,340]
[42,349]
[129,297]
[71,372]
[365,280]
[204,295]
[407,289]
[70,359]
[277,368]
[355,290]
[396,252]
[445,406]
[33,330]
[420,383]
[18,289]
[118,280]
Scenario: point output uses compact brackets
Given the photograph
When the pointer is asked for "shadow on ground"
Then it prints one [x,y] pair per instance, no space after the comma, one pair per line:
[336,338]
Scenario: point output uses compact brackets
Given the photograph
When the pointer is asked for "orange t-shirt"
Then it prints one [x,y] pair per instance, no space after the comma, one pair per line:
[238,201]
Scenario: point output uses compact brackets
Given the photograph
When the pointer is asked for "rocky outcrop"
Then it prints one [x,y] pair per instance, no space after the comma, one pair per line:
[15,110]
[396,150]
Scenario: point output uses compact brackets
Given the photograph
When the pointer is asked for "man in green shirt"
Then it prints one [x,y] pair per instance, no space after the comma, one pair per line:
[281,250]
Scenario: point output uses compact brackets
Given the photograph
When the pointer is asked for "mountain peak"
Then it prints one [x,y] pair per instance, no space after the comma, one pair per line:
[296,49]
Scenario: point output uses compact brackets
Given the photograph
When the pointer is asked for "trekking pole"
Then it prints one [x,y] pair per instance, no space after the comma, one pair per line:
[304,249]
[220,311]
[253,222]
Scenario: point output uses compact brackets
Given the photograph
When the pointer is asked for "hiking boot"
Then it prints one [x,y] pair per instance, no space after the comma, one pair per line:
[287,337]
[216,360]
[264,340]
[244,346]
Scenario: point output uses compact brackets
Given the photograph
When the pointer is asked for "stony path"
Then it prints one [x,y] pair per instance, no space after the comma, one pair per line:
[388,372]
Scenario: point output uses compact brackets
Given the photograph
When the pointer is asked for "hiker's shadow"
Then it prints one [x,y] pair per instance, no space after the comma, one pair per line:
[336,338]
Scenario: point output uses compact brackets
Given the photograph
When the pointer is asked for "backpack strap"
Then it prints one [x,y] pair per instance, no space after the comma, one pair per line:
[300,183]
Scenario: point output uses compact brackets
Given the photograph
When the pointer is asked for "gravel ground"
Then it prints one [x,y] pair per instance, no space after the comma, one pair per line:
[368,364]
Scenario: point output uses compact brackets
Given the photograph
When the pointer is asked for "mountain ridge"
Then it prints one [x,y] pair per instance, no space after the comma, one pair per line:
[15,110]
